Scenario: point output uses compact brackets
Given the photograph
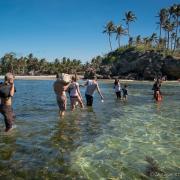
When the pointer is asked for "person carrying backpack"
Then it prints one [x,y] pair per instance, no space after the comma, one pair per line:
[7,91]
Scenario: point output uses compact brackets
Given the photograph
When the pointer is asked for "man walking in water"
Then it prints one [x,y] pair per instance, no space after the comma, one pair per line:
[92,85]
[59,88]
[6,93]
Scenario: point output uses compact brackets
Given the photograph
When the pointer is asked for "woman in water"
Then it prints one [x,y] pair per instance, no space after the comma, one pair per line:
[74,93]
[157,93]
[117,88]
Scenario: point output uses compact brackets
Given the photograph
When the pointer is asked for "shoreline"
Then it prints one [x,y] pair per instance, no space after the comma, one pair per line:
[43,77]
[80,77]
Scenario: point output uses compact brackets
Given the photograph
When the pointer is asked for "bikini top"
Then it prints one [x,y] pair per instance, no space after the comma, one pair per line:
[73,89]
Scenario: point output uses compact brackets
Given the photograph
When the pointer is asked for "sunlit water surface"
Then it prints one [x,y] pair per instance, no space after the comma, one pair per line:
[113,140]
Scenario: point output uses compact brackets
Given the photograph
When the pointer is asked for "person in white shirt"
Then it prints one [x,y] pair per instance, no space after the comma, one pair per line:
[91,86]
[117,88]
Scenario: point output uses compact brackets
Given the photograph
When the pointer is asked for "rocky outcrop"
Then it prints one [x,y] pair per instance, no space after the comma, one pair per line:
[132,64]
[138,65]
[171,68]
[89,73]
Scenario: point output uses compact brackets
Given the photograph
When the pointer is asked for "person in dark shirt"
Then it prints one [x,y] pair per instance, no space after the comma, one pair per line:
[125,92]
[7,92]
[156,88]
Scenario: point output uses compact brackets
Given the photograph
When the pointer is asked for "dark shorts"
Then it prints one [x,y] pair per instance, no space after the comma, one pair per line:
[89,100]
[61,101]
[8,114]
[118,94]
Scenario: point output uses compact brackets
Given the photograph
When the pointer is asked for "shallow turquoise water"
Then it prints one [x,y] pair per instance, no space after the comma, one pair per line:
[110,141]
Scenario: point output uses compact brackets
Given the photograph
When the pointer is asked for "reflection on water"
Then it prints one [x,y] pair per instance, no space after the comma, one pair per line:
[112,140]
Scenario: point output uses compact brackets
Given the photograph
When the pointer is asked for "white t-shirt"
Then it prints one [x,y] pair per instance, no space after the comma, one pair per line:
[117,87]
[91,87]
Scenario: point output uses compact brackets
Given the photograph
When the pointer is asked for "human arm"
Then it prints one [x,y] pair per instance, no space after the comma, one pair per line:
[154,86]
[98,89]
[83,85]
[67,86]
[78,91]
[11,82]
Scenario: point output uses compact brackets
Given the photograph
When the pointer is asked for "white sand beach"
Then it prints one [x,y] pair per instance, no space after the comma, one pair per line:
[41,77]
[33,77]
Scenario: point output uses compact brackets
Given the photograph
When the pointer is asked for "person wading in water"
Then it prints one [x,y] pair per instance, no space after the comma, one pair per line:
[7,90]
[91,86]
[60,88]
[157,93]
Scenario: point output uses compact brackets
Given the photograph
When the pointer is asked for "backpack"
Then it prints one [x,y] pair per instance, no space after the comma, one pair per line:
[5,91]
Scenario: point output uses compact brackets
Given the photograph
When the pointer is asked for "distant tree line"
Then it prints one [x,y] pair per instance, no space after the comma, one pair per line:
[31,65]
[167,40]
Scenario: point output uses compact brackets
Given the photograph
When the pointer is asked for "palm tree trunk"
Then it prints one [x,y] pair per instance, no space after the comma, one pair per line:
[177,26]
[168,41]
[160,31]
[165,39]
[128,31]
[110,42]
[119,41]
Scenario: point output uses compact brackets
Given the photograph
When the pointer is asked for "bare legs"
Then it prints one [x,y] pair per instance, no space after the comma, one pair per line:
[61,113]
[74,101]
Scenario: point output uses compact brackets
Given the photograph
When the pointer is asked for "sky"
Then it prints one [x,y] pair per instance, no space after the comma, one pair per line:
[71,28]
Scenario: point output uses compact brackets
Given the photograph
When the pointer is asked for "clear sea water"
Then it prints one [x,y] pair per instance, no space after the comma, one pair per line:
[112,140]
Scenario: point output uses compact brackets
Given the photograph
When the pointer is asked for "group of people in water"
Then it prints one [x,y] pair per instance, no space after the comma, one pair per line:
[7,90]
[121,93]
[73,88]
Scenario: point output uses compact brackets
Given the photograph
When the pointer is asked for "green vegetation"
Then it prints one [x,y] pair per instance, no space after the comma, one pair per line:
[31,65]
[167,41]
[166,44]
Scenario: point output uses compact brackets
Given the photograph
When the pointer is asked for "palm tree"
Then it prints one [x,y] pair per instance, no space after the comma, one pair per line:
[119,30]
[173,38]
[163,16]
[43,65]
[146,42]
[129,17]
[168,27]
[153,39]
[178,43]
[8,62]
[109,29]
[21,65]
[162,43]
[176,11]
[138,40]
[130,41]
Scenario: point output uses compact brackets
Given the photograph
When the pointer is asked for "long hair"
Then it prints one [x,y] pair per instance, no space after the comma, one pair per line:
[116,81]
